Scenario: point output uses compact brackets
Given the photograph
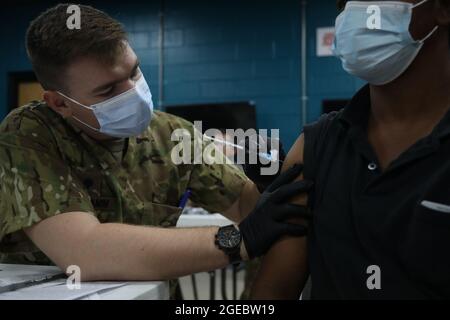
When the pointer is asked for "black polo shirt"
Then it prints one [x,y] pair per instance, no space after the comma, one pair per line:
[365,217]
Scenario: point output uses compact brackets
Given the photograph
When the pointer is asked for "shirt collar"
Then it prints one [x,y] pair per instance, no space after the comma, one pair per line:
[442,130]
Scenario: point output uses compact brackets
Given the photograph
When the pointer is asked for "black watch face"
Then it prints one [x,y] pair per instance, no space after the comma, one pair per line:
[229,238]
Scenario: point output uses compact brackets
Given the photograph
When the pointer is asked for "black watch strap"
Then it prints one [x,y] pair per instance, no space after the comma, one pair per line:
[235,257]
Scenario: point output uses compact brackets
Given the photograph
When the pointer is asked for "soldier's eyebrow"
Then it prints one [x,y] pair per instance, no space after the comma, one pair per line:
[105,86]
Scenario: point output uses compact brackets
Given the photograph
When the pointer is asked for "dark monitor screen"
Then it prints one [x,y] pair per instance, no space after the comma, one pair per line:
[230,115]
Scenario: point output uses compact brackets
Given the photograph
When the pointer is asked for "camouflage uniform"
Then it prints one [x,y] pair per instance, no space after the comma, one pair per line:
[47,167]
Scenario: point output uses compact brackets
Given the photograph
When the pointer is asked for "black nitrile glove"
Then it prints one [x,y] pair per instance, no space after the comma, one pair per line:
[253,171]
[267,222]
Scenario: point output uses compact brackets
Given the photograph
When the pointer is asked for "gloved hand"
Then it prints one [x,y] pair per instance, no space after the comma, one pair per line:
[253,171]
[267,222]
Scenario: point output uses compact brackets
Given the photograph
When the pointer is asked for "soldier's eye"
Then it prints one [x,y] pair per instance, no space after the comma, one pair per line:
[107,93]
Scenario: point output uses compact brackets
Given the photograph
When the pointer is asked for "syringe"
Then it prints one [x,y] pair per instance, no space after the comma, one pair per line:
[272,156]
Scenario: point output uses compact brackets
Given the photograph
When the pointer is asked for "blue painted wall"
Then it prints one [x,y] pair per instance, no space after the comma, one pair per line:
[215,51]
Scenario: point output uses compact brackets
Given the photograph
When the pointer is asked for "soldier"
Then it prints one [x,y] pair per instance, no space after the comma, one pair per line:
[86,176]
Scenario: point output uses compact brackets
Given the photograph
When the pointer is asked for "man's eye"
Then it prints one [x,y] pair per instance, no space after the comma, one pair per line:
[135,74]
[107,92]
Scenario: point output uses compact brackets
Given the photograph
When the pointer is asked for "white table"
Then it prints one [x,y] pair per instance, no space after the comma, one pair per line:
[202,220]
[28,282]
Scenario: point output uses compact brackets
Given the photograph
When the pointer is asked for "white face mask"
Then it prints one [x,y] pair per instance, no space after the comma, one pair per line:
[378,55]
[125,115]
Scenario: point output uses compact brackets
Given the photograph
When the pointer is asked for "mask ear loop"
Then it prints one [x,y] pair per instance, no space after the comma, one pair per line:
[430,34]
[76,118]
[434,29]
[87,125]
[419,4]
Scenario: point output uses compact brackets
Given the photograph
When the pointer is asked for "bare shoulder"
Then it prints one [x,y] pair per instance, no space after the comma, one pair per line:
[295,154]
[284,271]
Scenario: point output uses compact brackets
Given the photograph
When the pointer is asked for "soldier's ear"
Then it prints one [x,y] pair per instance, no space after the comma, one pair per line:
[58,103]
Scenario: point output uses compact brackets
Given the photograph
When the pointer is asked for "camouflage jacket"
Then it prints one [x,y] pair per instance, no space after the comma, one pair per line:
[47,167]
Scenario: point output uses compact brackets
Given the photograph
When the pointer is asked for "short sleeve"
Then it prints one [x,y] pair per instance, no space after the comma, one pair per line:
[217,184]
[315,137]
[216,187]
[35,183]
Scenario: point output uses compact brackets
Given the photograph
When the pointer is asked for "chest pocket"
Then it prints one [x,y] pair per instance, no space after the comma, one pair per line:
[427,239]
[155,214]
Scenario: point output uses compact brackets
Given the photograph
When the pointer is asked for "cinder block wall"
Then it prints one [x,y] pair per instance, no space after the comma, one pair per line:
[214,51]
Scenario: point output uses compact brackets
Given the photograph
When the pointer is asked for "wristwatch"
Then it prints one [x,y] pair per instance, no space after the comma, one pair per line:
[229,239]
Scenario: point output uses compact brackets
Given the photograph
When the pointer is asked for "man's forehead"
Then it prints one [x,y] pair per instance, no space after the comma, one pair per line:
[91,72]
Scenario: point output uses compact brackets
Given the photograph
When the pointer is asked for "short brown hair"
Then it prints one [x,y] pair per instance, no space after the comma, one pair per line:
[52,46]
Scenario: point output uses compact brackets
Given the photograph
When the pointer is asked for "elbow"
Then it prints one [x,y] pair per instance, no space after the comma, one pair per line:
[80,271]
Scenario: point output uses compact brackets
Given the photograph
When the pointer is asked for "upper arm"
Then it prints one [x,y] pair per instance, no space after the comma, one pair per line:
[217,186]
[216,183]
[284,271]
[35,184]
[244,204]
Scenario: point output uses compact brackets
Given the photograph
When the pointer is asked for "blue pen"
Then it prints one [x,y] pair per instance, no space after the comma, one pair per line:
[185,198]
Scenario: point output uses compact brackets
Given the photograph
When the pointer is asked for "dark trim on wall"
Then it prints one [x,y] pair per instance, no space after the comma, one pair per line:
[14,78]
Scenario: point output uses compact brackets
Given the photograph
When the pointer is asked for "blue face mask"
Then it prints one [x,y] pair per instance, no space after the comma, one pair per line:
[378,54]
[125,115]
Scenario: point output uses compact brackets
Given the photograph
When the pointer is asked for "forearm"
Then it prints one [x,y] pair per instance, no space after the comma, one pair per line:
[244,204]
[123,252]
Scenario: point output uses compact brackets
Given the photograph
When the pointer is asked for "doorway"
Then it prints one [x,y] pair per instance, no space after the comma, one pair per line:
[23,88]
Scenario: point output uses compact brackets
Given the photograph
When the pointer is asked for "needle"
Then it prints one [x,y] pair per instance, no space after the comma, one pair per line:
[268,156]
